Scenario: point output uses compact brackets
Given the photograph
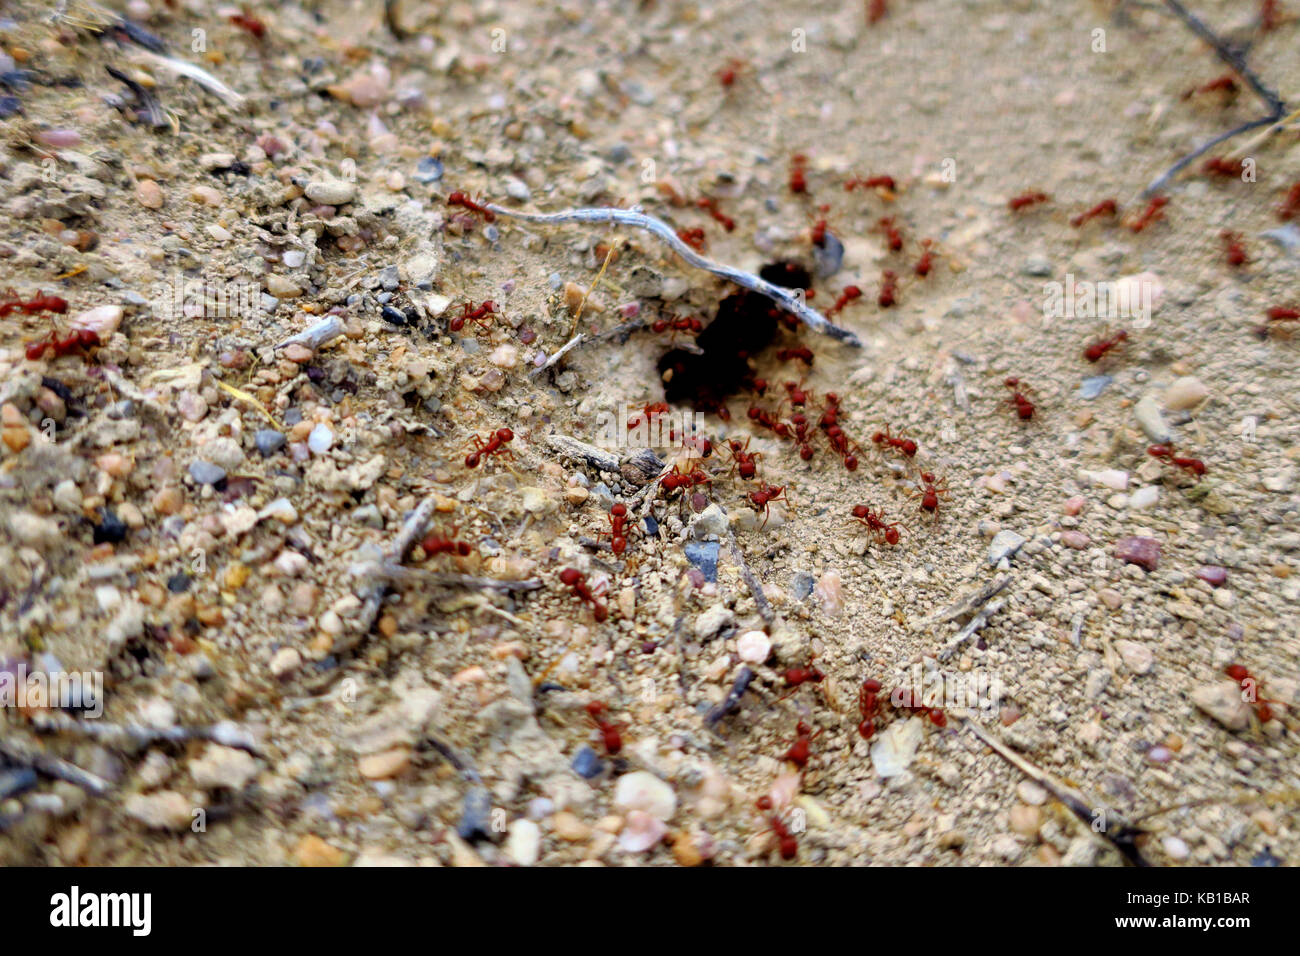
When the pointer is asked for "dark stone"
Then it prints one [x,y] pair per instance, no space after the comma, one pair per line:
[268,441]
[111,529]
[475,816]
[16,780]
[587,764]
[179,582]
[206,473]
[704,555]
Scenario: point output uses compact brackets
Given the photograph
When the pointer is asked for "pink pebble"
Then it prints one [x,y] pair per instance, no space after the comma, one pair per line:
[1139,550]
[1075,539]
[58,137]
[1074,505]
[630,310]
[1212,574]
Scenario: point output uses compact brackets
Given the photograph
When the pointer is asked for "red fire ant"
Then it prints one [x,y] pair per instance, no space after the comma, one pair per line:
[874,521]
[1024,407]
[798,753]
[800,422]
[798,179]
[796,676]
[692,476]
[78,340]
[1166,453]
[888,289]
[892,233]
[764,496]
[797,395]
[831,414]
[873,182]
[1233,248]
[1154,211]
[1249,686]
[843,447]
[910,701]
[1290,207]
[617,528]
[728,74]
[575,579]
[693,238]
[1278,313]
[803,353]
[1270,16]
[743,460]
[926,262]
[437,544]
[1226,83]
[470,314]
[710,205]
[458,198]
[1107,207]
[904,445]
[38,303]
[761,416]
[931,491]
[650,411]
[1218,166]
[786,841]
[610,733]
[246,21]
[868,707]
[850,293]
[494,444]
[1098,349]
[688,324]
[1025,200]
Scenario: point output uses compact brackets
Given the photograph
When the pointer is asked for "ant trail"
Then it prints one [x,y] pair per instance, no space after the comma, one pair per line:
[1124,837]
[785,298]
[1236,59]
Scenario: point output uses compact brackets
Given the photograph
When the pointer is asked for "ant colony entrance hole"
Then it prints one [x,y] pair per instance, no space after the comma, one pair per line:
[744,325]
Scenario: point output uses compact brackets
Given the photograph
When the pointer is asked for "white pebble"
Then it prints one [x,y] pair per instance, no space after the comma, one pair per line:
[642,790]
[320,439]
[753,647]
[1144,497]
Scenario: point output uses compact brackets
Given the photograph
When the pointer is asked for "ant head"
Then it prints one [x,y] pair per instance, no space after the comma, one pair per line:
[570,576]
[802,729]
[851,462]
[764,803]
[861,511]
[505,434]
[1011,382]
[619,510]
[596,708]
[1158,451]
[928,477]
[463,548]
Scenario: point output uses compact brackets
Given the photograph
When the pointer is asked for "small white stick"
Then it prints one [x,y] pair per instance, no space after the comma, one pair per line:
[785,298]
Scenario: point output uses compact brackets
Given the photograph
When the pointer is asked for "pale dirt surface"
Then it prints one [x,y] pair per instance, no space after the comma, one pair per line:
[595,104]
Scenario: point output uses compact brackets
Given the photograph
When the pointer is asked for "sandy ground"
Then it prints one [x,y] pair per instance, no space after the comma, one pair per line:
[454,731]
